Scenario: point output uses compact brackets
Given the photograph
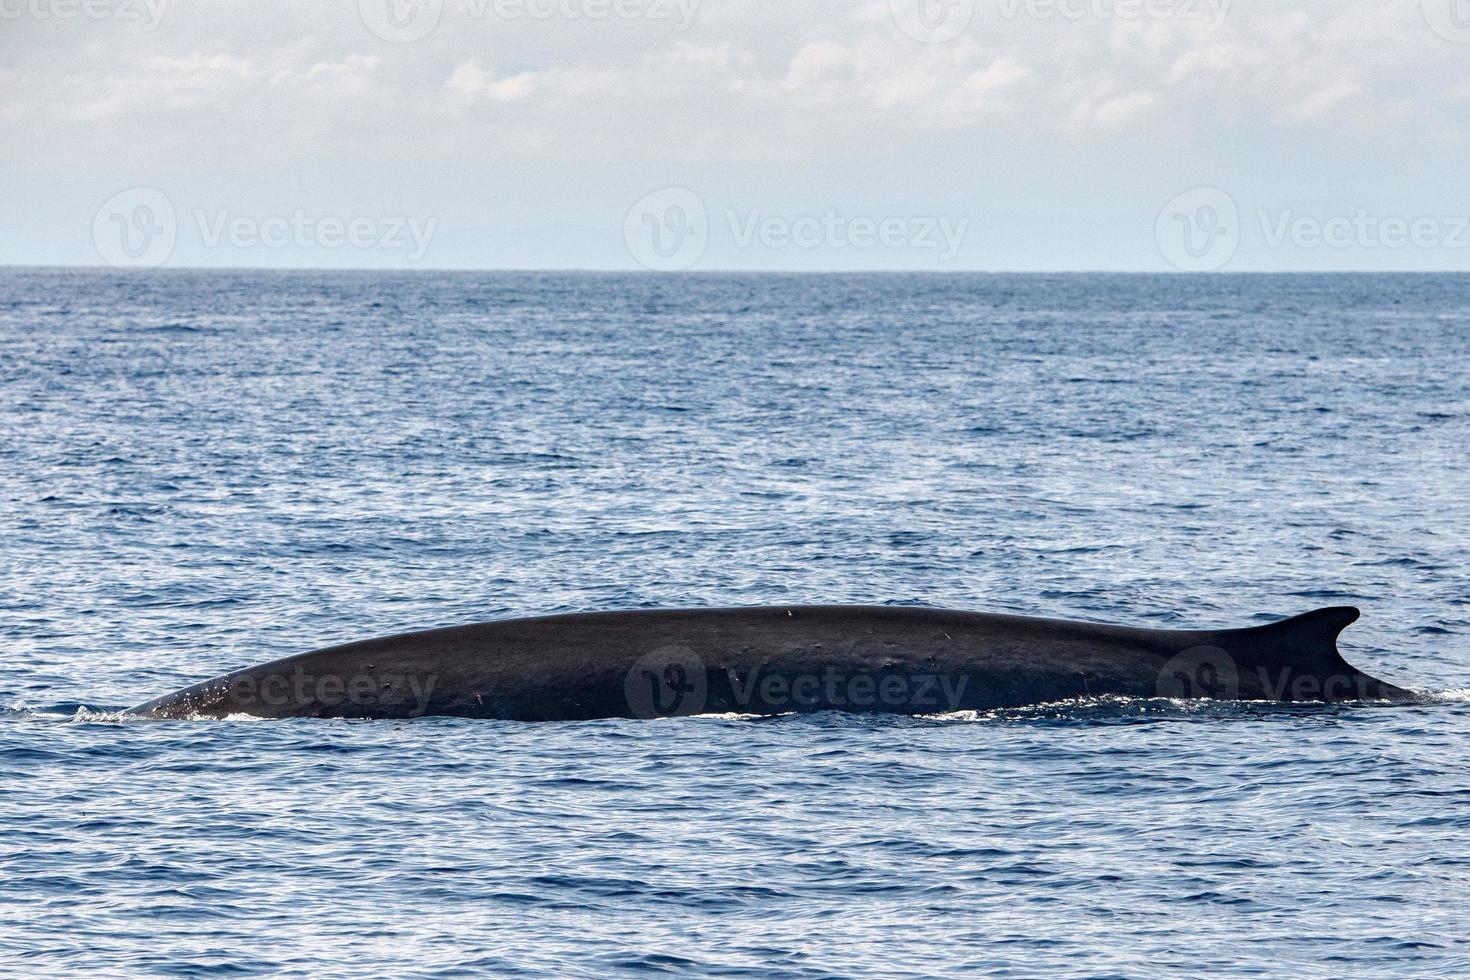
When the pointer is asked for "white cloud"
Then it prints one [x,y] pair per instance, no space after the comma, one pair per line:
[356,76]
[1124,110]
[1321,103]
[1024,114]
[789,81]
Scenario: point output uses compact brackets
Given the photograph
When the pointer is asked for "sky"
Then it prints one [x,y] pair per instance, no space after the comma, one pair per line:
[1129,135]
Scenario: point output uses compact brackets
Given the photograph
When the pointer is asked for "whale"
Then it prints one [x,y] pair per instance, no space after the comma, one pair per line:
[660,663]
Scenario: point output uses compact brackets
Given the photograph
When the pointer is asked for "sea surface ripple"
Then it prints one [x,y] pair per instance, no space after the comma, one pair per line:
[201,470]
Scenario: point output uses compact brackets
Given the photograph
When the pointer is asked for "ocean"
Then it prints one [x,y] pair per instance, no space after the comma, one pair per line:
[203,470]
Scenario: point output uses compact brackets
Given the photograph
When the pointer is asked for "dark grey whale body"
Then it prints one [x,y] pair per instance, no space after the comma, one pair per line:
[895,659]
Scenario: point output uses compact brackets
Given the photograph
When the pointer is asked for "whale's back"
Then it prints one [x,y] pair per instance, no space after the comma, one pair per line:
[768,660]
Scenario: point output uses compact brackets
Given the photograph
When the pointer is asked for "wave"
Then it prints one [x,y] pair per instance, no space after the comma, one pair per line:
[1102,708]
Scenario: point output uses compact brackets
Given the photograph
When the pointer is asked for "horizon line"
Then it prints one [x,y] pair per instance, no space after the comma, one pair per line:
[615,270]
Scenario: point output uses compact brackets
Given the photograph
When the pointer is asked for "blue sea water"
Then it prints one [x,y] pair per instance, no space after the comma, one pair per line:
[204,470]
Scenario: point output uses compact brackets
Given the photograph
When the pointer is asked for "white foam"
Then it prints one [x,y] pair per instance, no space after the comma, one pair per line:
[86,716]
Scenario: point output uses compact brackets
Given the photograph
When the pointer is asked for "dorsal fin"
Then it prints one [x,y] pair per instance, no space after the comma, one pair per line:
[1307,642]
[1315,629]
[1306,646]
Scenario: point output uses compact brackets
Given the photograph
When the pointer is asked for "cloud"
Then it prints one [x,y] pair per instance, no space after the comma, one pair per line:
[1123,111]
[355,76]
[1323,102]
[746,81]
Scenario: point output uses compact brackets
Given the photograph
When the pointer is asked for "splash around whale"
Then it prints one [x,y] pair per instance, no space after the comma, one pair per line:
[773,660]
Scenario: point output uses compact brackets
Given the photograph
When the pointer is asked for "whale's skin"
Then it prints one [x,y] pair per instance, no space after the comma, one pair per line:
[773,660]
